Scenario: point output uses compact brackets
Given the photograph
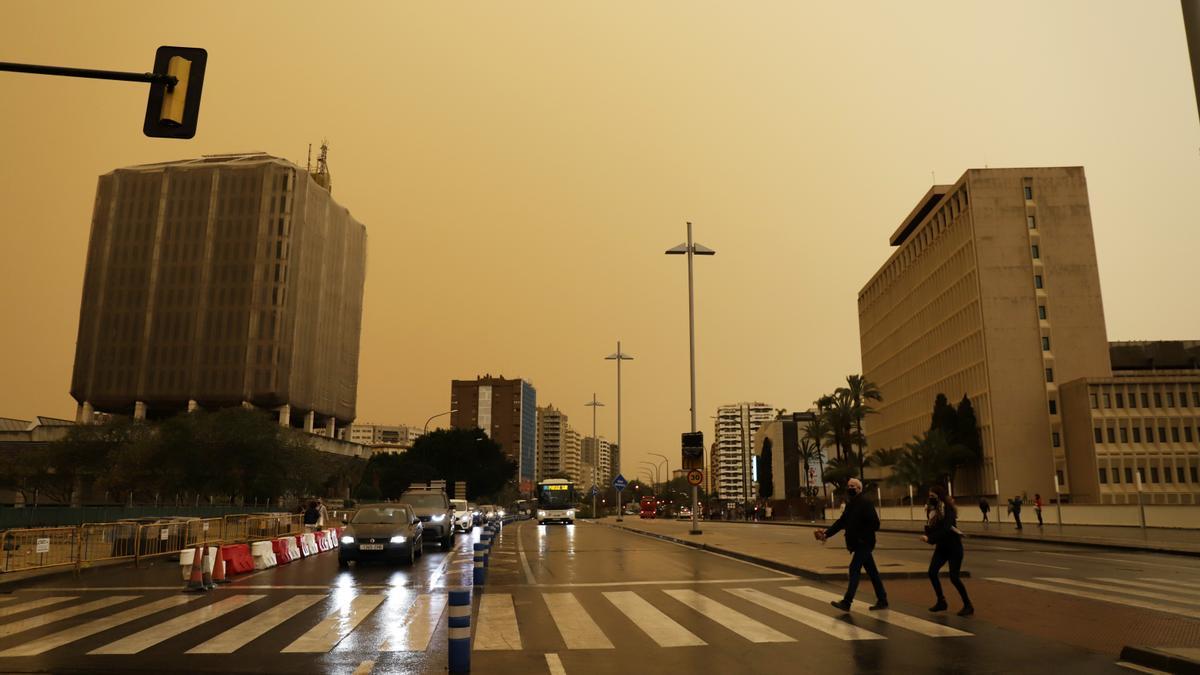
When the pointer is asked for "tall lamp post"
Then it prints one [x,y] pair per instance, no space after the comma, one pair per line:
[619,356]
[593,404]
[425,429]
[668,470]
[691,249]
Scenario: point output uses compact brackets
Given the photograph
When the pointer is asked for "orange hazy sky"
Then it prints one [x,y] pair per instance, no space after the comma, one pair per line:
[521,167]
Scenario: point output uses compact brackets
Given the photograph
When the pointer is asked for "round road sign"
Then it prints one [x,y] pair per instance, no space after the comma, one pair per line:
[695,477]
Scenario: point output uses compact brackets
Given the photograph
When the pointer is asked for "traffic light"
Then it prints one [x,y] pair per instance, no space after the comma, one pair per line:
[172,111]
[693,449]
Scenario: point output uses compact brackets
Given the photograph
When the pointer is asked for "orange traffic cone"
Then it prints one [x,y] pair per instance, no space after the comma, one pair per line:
[218,575]
[196,582]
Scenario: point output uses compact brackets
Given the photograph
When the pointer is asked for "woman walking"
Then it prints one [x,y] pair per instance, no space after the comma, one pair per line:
[941,520]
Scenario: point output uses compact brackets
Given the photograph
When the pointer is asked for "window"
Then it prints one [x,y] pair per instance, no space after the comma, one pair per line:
[1183,399]
[1031,221]
[1049,374]
[1145,400]
[1174,434]
[1128,475]
[1055,439]
[1037,281]
[1103,476]
[1187,434]
[1196,399]
[1170,399]
[1157,400]
[1036,252]
[1167,477]
[1045,343]
[1054,410]
[1180,475]
[1192,474]
[1154,474]
[1162,434]
[1132,399]
[1137,434]
[1042,312]
[1107,401]
[1092,398]
[1112,435]
[1149,435]
[1141,474]
[1116,476]
[1028,192]
[1061,479]
[1124,435]
[1096,432]
[1120,400]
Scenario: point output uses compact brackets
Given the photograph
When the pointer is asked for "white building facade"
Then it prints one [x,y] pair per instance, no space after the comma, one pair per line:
[733,468]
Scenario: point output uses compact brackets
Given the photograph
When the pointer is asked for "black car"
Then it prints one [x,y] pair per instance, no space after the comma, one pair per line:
[389,532]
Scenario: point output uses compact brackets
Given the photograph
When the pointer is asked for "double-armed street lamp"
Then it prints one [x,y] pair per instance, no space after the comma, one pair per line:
[618,356]
[593,404]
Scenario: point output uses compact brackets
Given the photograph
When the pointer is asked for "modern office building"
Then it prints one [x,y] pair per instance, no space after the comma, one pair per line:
[993,291]
[778,440]
[598,453]
[221,281]
[506,410]
[398,436]
[732,462]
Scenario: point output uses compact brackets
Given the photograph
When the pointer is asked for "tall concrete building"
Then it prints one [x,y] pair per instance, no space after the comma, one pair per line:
[506,410]
[993,291]
[572,451]
[598,453]
[559,452]
[398,436]
[221,281]
[732,462]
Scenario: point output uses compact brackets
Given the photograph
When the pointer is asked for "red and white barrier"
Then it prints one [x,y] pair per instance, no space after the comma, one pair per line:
[263,553]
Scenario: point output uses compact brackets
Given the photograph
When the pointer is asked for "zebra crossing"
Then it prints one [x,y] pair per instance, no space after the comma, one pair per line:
[1160,595]
[316,623]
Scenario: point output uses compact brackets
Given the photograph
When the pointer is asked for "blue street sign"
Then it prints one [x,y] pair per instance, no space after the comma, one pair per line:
[619,483]
[595,490]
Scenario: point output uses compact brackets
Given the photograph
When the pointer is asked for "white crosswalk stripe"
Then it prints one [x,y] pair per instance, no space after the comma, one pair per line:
[1102,597]
[1117,589]
[822,622]
[734,620]
[497,623]
[927,628]
[578,629]
[169,629]
[414,630]
[45,644]
[1175,582]
[661,628]
[1150,585]
[60,614]
[9,610]
[255,627]
[335,627]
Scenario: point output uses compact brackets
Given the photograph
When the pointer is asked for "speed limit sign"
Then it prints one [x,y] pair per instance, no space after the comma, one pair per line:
[695,477]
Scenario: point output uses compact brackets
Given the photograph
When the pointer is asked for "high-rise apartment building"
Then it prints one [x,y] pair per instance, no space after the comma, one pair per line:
[993,291]
[506,410]
[558,445]
[732,463]
[221,281]
[598,453]
[399,436]
[572,451]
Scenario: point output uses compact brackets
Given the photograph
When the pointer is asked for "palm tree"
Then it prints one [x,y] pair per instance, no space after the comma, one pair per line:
[817,434]
[838,471]
[810,452]
[839,416]
[860,392]
[929,459]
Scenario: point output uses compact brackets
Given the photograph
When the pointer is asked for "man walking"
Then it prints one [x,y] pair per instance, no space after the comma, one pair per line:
[1014,507]
[1037,507]
[984,508]
[860,522]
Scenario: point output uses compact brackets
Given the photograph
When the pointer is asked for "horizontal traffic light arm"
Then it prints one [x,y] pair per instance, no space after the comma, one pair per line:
[153,78]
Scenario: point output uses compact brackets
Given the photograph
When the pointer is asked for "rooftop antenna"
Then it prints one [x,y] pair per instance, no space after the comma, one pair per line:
[308,164]
[322,176]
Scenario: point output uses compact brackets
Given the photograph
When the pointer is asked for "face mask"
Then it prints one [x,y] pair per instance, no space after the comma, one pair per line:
[933,501]
[851,491]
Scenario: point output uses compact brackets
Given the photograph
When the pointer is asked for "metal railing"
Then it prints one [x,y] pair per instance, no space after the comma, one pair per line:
[38,547]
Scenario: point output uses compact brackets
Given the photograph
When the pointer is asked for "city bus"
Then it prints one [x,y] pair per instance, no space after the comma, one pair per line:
[556,501]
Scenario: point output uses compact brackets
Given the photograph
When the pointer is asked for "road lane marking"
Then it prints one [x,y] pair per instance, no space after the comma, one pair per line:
[69,635]
[255,627]
[578,629]
[554,664]
[1123,561]
[364,668]
[664,582]
[413,632]
[822,622]
[524,560]
[1129,602]
[927,628]
[734,620]
[334,628]
[1174,582]
[661,628]
[9,610]
[497,621]
[1018,562]
[1152,586]
[168,629]
[1116,589]
[58,615]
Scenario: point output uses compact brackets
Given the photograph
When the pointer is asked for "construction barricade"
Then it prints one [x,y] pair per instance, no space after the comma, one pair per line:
[41,547]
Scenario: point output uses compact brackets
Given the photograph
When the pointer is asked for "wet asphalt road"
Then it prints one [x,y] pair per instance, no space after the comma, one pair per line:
[591,599]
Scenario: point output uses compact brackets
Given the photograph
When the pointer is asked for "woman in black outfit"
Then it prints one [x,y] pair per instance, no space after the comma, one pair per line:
[941,520]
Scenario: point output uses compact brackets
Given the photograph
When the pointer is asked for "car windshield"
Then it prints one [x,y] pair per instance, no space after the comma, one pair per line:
[458,504]
[380,515]
[425,500]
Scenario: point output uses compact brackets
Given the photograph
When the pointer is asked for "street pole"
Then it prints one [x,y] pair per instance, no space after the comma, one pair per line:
[1058,501]
[910,503]
[999,513]
[1191,28]
[425,429]
[1141,507]
[619,357]
[593,404]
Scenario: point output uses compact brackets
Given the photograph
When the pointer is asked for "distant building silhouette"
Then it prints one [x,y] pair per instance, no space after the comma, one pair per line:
[507,411]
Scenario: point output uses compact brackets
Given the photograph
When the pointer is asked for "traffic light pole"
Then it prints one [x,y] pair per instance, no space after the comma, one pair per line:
[692,356]
[149,78]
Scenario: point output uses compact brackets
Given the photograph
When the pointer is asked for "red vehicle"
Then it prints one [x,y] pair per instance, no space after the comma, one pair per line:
[649,507]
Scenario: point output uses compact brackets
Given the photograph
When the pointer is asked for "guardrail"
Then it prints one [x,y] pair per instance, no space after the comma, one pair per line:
[38,547]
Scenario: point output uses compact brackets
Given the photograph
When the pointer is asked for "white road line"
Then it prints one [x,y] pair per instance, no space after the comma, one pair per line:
[1152,586]
[661,628]
[927,628]
[554,664]
[168,629]
[58,615]
[335,627]
[9,610]
[824,623]
[524,560]
[255,627]
[413,632]
[1129,602]
[497,623]
[1117,589]
[665,582]
[1174,582]
[1123,561]
[364,668]
[1018,562]
[69,635]
[734,620]
[578,629]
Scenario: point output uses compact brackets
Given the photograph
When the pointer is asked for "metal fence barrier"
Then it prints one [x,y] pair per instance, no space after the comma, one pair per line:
[39,547]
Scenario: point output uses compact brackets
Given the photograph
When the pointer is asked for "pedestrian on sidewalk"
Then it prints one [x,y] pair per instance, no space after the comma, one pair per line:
[941,530]
[767,510]
[984,507]
[1014,507]
[860,522]
[322,513]
[311,516]
[1037,507]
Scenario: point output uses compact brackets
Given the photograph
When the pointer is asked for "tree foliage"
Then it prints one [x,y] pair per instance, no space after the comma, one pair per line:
[446,454]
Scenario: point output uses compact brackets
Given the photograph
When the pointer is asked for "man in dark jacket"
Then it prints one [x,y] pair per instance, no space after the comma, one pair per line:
[860,522]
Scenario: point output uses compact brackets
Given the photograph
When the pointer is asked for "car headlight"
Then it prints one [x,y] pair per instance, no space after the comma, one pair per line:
[570,513]
[500,513]
[398,539]
[541,513]
[439,517]
[347,539]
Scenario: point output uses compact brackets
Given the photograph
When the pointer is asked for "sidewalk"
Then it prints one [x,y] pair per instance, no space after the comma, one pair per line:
[776,548]
[1156,540]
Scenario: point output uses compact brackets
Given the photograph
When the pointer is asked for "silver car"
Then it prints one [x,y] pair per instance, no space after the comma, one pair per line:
[433,508]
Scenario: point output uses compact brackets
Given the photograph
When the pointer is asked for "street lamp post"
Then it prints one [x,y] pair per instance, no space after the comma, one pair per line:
[593,404]
[619,356]
[425,429]
[692,249]
[668,463]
